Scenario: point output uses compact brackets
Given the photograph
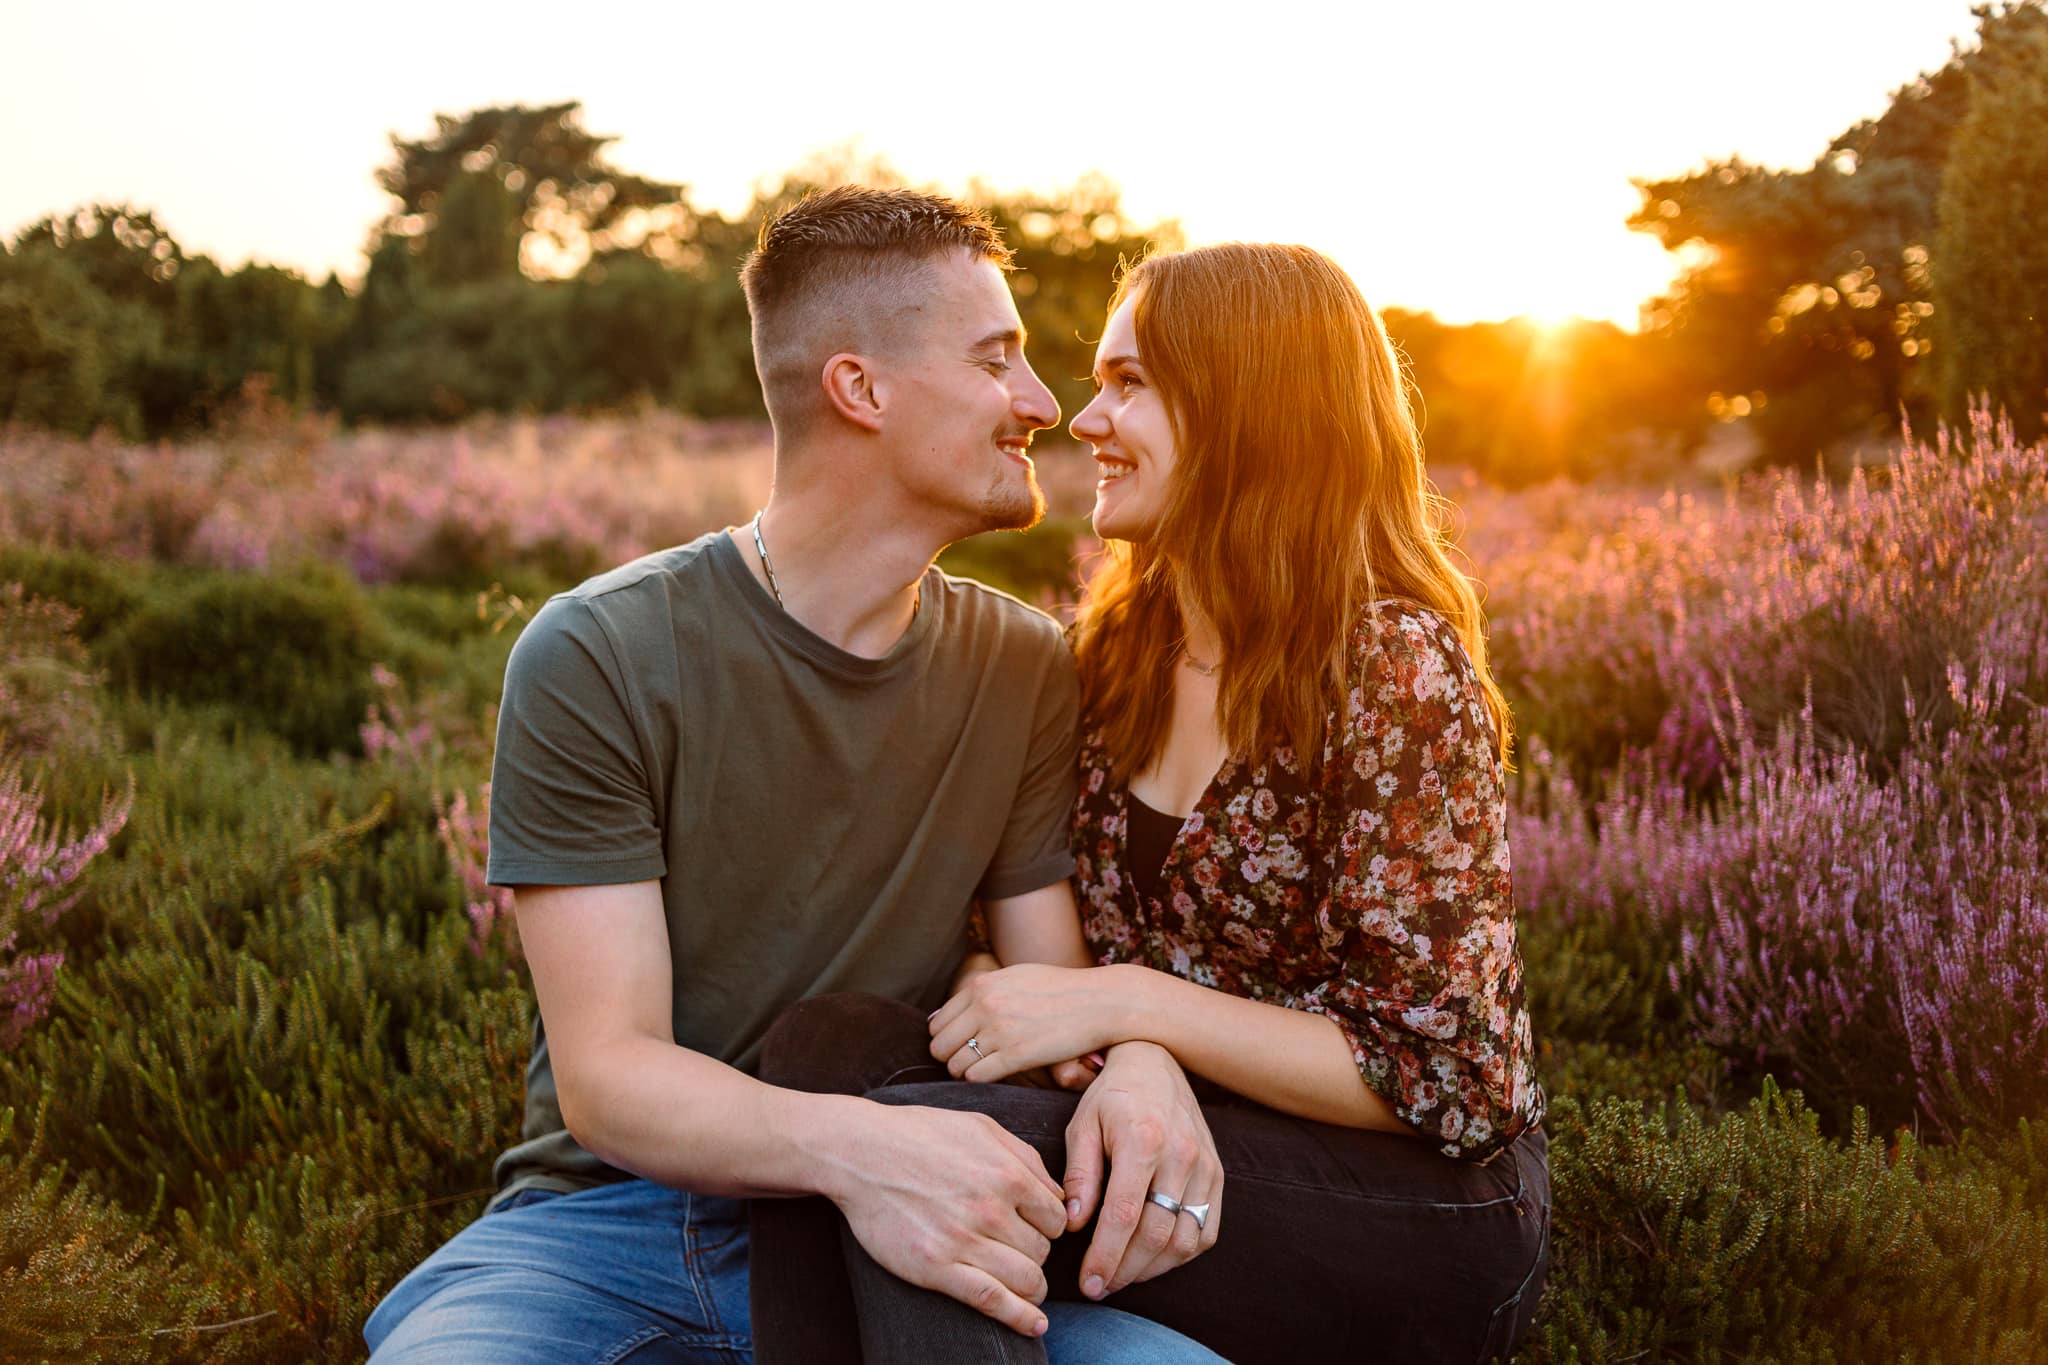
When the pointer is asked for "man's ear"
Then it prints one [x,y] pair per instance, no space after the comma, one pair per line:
[852,389]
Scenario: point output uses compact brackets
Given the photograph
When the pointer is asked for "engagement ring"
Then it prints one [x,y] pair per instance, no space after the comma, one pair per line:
[975,1043]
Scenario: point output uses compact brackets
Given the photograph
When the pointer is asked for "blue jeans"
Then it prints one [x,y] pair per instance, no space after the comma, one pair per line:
[641,1273]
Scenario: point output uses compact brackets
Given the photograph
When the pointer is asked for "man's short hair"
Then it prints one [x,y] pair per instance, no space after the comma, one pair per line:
[843,270]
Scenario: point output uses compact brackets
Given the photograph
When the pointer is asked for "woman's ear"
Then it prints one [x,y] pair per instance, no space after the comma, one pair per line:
[850,389]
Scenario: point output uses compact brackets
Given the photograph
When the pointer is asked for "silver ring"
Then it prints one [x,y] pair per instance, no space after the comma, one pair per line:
[975,1043]
[1166,1201]
[1198,1212]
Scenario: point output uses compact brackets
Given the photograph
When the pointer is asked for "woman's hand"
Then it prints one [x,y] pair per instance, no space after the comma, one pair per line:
[1028,1016]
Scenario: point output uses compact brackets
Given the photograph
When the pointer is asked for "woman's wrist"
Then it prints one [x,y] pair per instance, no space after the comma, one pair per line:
[977,963]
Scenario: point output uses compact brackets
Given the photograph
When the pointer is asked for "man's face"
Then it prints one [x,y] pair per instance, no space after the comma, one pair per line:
[966,402]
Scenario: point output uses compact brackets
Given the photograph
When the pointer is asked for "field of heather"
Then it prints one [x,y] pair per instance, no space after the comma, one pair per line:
[1778,849]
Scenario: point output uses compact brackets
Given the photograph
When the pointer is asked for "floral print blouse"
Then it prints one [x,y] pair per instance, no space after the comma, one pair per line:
[1371,887]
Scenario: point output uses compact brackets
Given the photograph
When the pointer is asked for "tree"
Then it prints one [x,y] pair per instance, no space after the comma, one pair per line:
[1809,303]
[1991,258]
[69,353]
[1810,311]
[88,303]
[563,198]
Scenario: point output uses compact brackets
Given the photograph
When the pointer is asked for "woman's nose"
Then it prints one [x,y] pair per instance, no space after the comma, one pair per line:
[1089,424]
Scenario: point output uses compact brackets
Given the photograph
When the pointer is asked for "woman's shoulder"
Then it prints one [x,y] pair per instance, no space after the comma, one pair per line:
[1410,668]
[1390,630]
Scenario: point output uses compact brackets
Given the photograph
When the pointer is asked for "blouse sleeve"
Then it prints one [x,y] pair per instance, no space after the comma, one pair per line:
[1420,910]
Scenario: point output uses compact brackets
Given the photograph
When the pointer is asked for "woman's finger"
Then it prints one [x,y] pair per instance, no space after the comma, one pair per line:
[946,1014]
[1074,1075]
[952,1039]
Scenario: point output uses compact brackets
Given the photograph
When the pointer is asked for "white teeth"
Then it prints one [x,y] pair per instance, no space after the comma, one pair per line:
[1113,472]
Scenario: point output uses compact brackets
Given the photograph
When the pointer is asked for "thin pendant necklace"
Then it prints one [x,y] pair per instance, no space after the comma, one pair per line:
[767,564]
[768,567]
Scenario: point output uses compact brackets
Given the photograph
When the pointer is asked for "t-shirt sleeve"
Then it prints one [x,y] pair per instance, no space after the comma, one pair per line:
[1037,847]
[1420,909]
[571,802]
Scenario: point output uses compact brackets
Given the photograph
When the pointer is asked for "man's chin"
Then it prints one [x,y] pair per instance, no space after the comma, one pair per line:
[1007,507]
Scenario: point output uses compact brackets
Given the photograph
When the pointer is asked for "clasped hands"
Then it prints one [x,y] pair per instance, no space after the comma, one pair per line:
[1139,1116]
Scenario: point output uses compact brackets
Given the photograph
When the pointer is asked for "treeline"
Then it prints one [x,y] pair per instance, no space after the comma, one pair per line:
[1900,275]
[518,269]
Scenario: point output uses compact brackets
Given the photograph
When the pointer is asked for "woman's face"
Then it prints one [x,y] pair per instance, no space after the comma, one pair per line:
[1127,426]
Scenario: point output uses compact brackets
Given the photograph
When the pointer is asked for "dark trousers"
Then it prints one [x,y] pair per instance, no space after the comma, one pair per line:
[1338,1243]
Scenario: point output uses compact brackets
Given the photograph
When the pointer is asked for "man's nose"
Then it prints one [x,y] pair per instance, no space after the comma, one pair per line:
[1034,402]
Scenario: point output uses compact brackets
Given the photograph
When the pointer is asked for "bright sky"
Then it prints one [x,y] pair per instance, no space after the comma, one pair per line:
[1472,158]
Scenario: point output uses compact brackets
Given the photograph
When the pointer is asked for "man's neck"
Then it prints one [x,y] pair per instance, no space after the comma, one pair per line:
[846,573]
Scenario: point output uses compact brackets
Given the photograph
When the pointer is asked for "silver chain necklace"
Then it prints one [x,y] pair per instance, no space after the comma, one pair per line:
[767,564]
[768,567]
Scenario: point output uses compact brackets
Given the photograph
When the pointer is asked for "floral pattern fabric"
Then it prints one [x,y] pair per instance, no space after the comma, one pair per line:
[1371,887]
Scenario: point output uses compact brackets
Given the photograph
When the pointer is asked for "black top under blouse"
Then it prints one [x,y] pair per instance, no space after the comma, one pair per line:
[1147,841]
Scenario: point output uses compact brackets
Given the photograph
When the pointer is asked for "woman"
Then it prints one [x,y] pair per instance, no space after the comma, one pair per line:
[1291,843]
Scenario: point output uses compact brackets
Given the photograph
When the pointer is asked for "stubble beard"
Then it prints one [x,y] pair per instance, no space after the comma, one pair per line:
[1008,507]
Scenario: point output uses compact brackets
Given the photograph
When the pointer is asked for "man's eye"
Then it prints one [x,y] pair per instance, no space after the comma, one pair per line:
[997,366]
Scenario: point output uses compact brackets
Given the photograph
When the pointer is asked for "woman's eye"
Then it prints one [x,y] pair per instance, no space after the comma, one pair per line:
[1129,381]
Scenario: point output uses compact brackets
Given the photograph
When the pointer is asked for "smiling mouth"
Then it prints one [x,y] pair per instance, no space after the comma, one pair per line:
[1016,447]
[1112,468]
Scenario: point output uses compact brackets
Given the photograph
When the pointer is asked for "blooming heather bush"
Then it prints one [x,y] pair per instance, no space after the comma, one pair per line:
[455,506]
[465,832]
[1881,940]
[37,864]
[1858,598]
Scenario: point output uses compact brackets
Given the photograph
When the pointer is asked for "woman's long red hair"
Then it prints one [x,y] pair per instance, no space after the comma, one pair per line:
[1297,497]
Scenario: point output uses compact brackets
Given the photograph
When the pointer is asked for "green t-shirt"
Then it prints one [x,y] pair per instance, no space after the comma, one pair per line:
[818,821]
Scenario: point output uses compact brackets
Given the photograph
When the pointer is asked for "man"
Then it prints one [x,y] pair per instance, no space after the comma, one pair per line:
[776,762]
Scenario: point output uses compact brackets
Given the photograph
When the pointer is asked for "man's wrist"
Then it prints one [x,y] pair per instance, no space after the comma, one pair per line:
[1133,1049]
[815,1130]
[1134,1005]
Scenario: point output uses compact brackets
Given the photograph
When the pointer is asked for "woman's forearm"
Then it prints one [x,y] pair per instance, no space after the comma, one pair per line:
[1290,1060]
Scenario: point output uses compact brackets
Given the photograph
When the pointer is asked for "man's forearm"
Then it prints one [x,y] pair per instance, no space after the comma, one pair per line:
[683,1120]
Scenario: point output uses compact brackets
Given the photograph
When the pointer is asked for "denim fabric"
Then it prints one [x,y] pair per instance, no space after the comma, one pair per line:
[628,1271]
[634,1272]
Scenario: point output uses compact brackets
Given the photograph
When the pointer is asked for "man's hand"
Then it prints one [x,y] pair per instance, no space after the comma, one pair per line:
[1141,1117]
[949,1201]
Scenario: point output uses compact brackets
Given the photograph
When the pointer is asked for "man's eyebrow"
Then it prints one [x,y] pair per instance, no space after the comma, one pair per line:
[1004,337]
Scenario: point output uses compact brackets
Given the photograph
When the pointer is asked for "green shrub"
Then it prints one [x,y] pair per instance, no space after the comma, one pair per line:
[104,594]
[288,653]
[1758,1238]
[80,1278]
